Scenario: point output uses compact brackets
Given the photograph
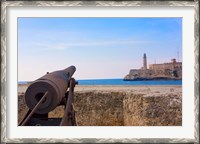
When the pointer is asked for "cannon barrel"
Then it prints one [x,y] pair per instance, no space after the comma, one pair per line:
[56,83]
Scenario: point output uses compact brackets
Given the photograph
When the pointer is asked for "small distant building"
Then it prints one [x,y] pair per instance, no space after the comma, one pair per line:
[166,66]
[171,70]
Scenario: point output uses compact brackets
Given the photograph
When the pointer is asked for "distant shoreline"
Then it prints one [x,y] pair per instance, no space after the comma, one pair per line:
[153,79]
[119,88]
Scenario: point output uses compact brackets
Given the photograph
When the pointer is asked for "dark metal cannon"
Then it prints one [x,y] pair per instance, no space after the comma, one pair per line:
[48,92]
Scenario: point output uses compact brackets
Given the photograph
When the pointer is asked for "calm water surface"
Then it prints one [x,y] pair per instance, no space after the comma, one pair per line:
[122,82]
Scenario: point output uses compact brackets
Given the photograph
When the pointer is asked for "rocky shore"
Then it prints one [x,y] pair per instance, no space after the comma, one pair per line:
[128,78]
[121,105]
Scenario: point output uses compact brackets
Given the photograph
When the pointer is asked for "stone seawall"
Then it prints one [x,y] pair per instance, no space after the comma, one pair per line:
[99,109]
[109,108]
[152,110]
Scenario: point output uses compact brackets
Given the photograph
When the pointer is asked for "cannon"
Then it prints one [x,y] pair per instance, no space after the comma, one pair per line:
[48,92]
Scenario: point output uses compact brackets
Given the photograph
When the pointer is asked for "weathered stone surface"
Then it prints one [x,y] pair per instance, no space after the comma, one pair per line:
[153,110]
[97,108]
[22,108]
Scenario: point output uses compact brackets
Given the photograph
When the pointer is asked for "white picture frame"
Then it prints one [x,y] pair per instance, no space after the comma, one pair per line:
[6,87]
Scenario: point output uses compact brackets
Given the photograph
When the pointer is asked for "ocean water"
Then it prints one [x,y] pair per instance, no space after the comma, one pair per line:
[122,82]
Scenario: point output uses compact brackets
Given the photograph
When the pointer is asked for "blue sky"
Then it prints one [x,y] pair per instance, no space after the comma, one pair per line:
[98,47]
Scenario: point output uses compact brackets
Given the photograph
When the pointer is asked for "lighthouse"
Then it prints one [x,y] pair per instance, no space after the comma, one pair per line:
[144,61]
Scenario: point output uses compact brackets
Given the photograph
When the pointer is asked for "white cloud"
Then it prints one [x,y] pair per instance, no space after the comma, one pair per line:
[63,46]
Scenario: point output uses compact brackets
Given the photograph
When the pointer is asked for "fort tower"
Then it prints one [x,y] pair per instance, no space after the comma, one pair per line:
[144,61]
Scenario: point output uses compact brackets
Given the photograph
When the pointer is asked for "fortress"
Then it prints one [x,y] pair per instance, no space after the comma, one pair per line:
[171,70]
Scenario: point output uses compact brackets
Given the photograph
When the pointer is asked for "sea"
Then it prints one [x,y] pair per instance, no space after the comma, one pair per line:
[122,82]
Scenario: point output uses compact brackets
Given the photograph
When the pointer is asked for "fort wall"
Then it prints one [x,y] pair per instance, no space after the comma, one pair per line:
[112,108]
[171,70]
